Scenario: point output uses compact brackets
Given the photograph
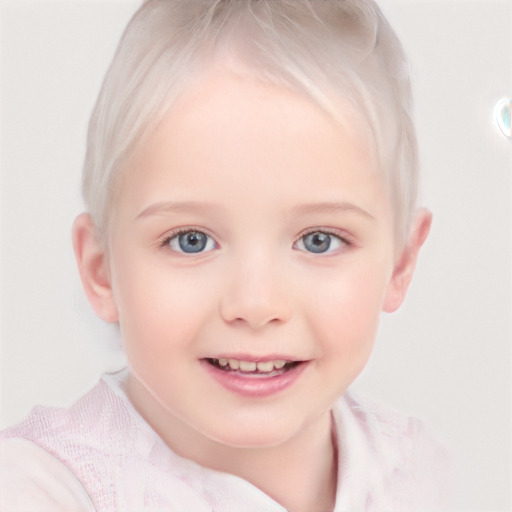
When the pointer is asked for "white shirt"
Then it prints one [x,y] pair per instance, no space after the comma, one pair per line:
[101,456]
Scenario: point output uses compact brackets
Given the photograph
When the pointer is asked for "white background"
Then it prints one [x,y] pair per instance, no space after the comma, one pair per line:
[445,357]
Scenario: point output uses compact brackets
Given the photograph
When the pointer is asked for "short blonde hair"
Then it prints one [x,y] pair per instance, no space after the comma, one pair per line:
[322,48]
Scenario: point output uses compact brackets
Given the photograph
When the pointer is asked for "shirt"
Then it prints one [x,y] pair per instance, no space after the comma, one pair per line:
[100,455]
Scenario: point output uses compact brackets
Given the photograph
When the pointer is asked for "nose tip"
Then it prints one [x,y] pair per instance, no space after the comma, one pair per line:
[256,303]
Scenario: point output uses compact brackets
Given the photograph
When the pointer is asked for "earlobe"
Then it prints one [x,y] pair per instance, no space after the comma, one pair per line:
[93,268]
[404,268]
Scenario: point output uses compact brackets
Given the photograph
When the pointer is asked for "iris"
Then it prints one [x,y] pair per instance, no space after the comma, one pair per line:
[317,242]
[192,241]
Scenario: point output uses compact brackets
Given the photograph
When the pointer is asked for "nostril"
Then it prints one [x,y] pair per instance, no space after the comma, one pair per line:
[256,300]
[254,315]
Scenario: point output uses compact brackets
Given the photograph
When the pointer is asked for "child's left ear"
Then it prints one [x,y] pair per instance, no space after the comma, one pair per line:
[404,267]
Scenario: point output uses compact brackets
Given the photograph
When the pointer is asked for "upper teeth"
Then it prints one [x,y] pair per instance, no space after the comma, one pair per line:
[252,366]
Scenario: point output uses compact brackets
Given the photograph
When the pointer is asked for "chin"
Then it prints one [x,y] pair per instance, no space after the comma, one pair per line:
[254,441]
[257,434]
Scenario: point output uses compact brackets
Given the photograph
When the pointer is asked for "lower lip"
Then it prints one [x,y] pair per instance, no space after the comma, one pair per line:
[255,386]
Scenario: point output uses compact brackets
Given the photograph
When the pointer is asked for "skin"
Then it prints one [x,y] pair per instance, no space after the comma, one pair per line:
[256,168]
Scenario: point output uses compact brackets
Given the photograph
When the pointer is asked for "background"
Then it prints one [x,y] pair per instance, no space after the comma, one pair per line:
[444,357]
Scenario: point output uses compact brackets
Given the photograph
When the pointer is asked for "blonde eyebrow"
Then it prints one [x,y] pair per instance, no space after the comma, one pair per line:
[170,207]
[332,208]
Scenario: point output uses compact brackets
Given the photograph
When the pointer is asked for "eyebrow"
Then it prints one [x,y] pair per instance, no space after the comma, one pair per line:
[332,208]
[176,207]
[170,207]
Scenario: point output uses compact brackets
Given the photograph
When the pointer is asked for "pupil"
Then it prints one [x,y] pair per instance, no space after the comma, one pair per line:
[192,241]
[317,242]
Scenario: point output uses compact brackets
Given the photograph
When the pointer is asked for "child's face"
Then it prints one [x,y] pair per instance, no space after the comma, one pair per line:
[250,227]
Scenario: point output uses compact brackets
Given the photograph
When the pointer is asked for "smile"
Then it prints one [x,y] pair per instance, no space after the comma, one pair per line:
[256,367]
[255,379]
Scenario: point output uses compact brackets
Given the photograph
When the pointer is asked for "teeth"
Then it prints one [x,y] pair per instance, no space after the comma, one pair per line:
[233,364]
[247,366]
[252,366]
[265,367]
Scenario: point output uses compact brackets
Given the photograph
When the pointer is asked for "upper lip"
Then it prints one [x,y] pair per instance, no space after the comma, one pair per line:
[256,358]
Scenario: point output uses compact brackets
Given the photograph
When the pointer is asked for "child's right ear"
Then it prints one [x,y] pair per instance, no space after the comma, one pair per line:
[93,266]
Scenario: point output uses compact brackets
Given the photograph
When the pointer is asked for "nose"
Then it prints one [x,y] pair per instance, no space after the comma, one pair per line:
[257,295]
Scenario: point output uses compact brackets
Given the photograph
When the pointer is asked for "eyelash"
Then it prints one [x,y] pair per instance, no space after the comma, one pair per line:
[166,239]
[344,238]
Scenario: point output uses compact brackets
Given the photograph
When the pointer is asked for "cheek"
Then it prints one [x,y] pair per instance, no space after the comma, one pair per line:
[347,309]
[159,307]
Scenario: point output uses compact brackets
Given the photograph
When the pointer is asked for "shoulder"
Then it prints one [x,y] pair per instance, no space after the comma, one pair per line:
[91,421]
[414,467]
[102,445]
[90,440]
[384,427]
[31,479]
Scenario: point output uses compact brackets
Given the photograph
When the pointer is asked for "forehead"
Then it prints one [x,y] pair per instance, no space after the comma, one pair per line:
[227,134]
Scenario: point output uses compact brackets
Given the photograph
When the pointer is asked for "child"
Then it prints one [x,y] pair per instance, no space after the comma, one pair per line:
[250,183]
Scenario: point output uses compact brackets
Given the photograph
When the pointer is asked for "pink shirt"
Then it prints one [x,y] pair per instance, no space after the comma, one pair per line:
[100,455]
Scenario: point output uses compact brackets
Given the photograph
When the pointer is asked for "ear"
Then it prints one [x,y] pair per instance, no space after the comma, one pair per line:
[404,268]
[93,267]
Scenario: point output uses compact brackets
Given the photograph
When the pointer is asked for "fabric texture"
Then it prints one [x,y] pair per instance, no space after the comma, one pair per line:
[32,480]
[104,456]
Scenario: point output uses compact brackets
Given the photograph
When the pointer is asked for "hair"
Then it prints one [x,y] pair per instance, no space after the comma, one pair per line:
[326,49]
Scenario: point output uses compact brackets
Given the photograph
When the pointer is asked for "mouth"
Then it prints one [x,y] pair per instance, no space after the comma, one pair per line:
[255,378]
[270,368]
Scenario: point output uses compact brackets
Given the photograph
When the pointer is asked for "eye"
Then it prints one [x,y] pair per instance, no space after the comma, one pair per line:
[190,242]
[320,242]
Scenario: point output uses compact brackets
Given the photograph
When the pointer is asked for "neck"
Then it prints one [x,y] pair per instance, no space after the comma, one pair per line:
[299,474]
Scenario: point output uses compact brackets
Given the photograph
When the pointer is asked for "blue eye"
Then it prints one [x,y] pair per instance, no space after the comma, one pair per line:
[191,242]
[319,242]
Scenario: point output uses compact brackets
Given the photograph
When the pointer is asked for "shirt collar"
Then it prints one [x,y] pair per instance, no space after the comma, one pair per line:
[358,477]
